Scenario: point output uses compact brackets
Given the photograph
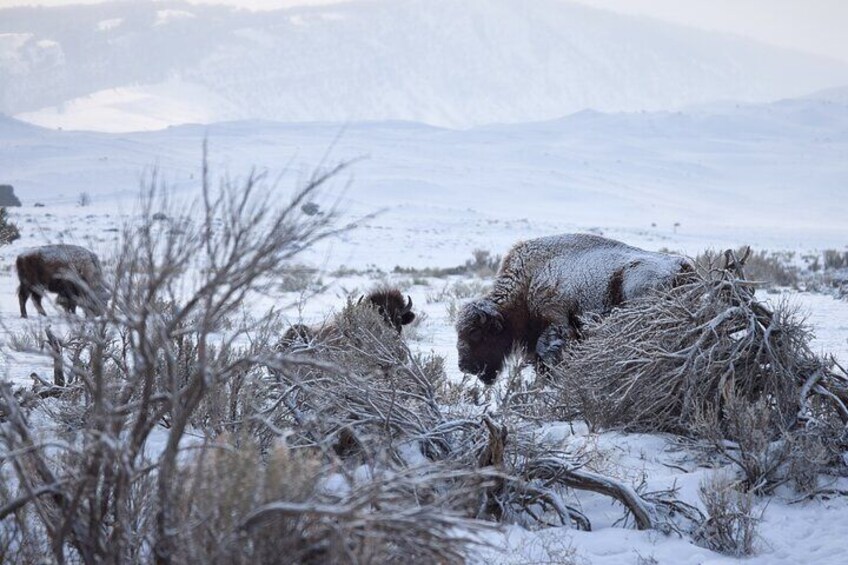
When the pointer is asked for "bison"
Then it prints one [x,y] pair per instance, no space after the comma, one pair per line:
[543,287]
[394,309]
[70,271]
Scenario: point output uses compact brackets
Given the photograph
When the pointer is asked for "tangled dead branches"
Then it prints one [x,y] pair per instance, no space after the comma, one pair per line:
[661,362]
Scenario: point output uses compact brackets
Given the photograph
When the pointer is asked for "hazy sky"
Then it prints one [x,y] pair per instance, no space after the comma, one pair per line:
[816,26]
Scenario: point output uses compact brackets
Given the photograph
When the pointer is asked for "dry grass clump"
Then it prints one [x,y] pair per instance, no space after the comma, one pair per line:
[301,278]
[750,435]
[657,363]
[733,520]
[235,505]
[835,259]
[482,264]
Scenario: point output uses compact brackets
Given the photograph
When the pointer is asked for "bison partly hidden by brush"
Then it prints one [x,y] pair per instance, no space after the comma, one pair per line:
[542,288]
[70,271]
[390,304]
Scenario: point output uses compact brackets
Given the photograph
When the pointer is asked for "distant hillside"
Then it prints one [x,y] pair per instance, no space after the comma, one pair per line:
[134,65]
[721,170]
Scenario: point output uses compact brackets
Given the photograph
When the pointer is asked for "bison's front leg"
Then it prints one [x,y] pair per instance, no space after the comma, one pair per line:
[553,340]
[25,293]
[23,296]
[36,299]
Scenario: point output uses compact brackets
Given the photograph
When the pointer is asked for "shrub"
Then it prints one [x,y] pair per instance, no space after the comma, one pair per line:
[750,435]
[300,278]
[769,267]
[732,524]
[483,263]
[834,259]
[657,362]
[145,370]
[9,231]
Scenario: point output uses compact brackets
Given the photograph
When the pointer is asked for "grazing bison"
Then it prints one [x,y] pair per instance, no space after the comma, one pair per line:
[70,271]
[395,310]
[542,288]
[392,306]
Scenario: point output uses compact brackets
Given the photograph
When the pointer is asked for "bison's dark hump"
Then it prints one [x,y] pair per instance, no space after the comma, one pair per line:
[7,196]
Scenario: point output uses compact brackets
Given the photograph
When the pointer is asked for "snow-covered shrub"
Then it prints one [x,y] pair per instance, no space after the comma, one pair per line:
[9,231]
[771,268]
[835,259]
[363,380]
[767,452]
[731,526]
[144,370]
[748,434]
[483,263]
[236,505]
[453,294]
[300,278]
[811,452]
[656,363]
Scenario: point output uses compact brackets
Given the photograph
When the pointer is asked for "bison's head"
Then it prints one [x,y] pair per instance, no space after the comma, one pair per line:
[484,339]
[393,307]
[98,299]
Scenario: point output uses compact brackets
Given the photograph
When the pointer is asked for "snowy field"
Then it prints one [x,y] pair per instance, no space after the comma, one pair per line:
[464,128]
[772,176]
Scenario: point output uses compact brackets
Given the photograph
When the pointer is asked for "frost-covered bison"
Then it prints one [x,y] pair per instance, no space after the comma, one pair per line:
[395,310]
[70,271]
[542,288]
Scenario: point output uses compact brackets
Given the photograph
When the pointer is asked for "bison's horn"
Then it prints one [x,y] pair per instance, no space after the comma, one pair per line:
[408,306]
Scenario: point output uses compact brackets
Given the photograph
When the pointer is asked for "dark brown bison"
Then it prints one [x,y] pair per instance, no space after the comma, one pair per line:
[394,309]
[392,306]
[70,271]
[542,288]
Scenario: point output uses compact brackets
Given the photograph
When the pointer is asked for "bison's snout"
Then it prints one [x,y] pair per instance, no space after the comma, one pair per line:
[483,372]
[488,377]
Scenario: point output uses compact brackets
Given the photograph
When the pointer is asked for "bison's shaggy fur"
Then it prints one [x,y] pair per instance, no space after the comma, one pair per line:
[70,271]
[543,287]
[389,303]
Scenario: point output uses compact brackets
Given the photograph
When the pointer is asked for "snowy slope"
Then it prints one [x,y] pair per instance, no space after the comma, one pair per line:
[453,63]
[137,108]
[771,175]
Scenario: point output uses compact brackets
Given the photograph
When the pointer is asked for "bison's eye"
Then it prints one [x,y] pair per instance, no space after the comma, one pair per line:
[475,334]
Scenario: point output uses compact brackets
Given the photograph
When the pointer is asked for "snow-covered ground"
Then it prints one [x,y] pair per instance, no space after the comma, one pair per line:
[769,175]
[466,127]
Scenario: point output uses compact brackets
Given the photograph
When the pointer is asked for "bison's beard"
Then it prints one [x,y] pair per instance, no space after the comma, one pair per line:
[484,360]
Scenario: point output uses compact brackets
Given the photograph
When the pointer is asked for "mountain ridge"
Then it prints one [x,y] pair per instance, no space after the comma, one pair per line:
[442,62]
